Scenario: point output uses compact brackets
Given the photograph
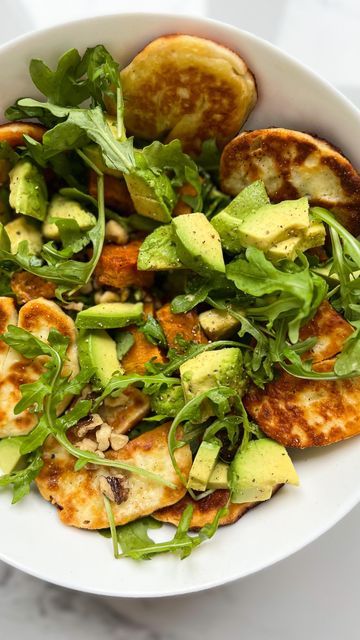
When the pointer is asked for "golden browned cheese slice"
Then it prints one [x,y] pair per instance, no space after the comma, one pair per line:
[331,331]
[294,164]
[77,493]
[307,413]
[206,509]
[8,315]
[190,88]
[27,286]
[13,132]
[37,316]
[185,325]
[123,412]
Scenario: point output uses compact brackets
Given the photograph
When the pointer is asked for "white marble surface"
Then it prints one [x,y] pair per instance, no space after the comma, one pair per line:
[315,593]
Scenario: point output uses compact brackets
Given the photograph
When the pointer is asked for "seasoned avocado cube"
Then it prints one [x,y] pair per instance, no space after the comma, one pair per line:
[110,315]
[22,229]
[158,251]
[257,469]
[288,249]
[275,222]
[10,456]
[218,323]
[203,465]
[227,222]
[28,192]
[98,351]
[152,195]
[314,236]
[169,402]
[219,478]
[93,152]
[198,244]
[61,207]
[209,370]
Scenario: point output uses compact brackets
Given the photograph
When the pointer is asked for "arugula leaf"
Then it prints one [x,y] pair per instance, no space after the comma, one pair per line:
[124,342]
[8,153]
[151,384]
[188,350]
[197,289]
[21,480]
[348,362]
[103,77]
[209,157]
[153,332]
[61,86]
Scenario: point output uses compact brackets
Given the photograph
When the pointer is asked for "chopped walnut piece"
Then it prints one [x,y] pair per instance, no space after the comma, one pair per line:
[87,445]
[103,437]
[116,488]
[118,441]
[73,306]
[102,297]
[89,423]
[116,233]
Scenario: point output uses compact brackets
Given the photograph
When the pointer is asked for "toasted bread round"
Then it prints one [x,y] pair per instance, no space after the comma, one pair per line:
[206,509]
[78,496]
[190,88]
[294,164]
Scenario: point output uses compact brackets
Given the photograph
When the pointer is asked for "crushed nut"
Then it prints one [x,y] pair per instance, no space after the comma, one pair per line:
[73,306]
[116,233]
[118,441]
[103,437]
[87,445]
[106,296]
[86,288]
[116,488]
[89,423]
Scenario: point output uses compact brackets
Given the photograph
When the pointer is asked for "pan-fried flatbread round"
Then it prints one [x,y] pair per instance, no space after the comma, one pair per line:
[293,164]
[190,88]
[77,493]
[206,509]
[37,316]
[307,413]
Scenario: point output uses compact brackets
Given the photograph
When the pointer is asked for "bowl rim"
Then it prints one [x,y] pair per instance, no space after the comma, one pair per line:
[354,498]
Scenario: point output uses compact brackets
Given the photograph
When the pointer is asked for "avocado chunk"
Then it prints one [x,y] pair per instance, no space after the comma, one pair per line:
[158,251]
[10,456]
[169,402]
[97,350]
[22,229]
[219,478]
[229,219]
[275,222]
[314,236]
[257,469]
[218,323]
[152,194]
[28,192]
[93,152]
[61,207]
[203,465]
[198,244]
[110,315]
[209,370]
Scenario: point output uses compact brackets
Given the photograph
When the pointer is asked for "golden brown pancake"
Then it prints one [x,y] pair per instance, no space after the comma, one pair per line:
[293,164]
[185,87]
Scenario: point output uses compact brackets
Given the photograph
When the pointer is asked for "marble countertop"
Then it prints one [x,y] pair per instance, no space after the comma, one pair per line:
[314,593]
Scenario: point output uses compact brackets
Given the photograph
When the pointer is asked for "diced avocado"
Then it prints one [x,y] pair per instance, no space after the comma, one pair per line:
[168,402]
[218,323]
[110,315]
[229,219]
[257,469]
[22,229]
[219,478]
[198,244]
[275,222]
[209,370]
[158,251]
[314,236]
[203,465]
[97,350]
[93,152]
[61,207]
[28,192]
[152,195]
[288,249]
[10,456]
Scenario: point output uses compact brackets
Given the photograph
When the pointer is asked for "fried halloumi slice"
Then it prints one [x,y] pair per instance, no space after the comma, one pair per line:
[206,509]
[38,317]
[8,315]
[27,286]
[307,413]
[293,164]
[13,132]
[331,331]
[185,87]
[78,496]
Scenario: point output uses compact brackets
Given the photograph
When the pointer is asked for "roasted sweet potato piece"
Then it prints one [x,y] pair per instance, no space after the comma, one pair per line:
[27,286]
[116,193]
[117,267]
[13,132]
[206,509]
[140,353]
[181,207]
[185,325]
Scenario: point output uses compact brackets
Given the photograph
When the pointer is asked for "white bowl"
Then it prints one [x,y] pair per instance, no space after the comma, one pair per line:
[31,536]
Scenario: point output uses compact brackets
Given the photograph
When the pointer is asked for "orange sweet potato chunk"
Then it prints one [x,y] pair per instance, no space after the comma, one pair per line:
[185,325]
[117,267]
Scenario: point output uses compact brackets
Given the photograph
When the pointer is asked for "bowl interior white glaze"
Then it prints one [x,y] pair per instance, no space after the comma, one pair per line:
[31,537]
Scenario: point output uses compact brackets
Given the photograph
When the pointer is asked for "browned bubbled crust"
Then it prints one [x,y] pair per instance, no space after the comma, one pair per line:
[13,132]
[77,494]
[331,331]
[185,325]
[117,267]
[27,286]
[206,509]
[294,164]
[185,87]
